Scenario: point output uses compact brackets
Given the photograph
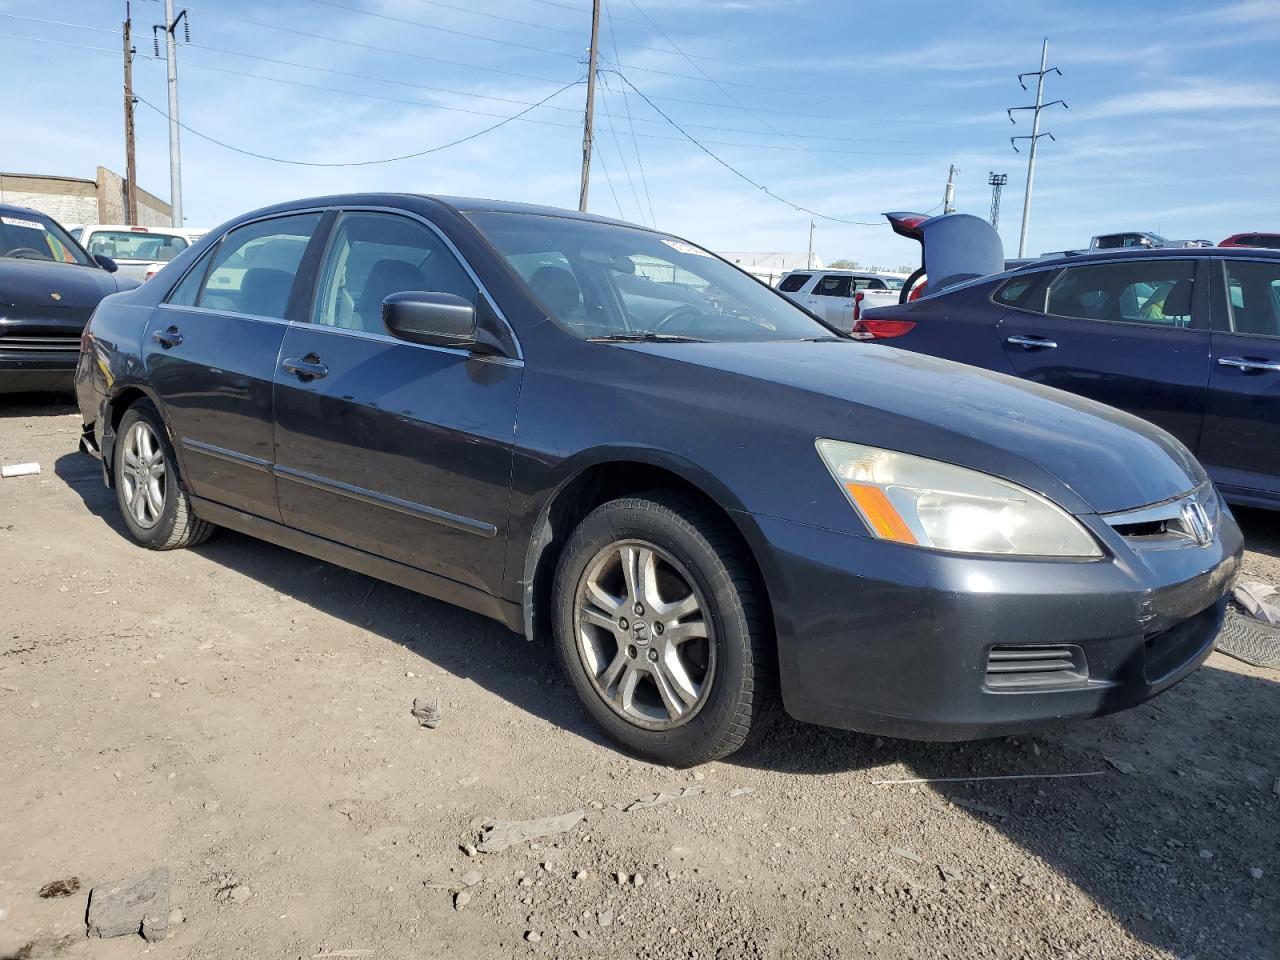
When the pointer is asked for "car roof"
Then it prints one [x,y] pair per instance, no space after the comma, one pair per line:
[1102,256]
[136,227]
[10,208]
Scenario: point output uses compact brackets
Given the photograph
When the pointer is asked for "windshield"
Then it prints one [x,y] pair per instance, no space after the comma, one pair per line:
[601,280]
[27,237]
[135,244]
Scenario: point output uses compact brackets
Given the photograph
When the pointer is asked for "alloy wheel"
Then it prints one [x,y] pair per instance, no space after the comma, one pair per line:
[143,475]
[644,635]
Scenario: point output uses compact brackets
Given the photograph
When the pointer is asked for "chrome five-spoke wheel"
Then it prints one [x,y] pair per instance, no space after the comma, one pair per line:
[143,475]
[645,635]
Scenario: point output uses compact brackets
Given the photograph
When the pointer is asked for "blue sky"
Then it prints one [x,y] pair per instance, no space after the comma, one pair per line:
[846,108]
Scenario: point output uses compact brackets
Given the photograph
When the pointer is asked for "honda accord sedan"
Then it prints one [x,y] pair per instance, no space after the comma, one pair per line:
[714,505]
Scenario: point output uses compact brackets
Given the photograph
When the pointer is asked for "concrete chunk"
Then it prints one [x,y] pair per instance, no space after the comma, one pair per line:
[137,904]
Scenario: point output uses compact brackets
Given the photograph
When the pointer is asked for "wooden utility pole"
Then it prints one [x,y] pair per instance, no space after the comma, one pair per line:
[591,106]
[130,163]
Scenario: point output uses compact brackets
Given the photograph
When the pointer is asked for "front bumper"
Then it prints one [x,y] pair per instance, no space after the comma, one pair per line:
[895,640]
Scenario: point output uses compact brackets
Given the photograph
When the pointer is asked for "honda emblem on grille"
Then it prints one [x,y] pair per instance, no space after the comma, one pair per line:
[1196,521]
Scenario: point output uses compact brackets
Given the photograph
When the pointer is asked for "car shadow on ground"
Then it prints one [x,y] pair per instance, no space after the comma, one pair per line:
[1129,842]
[1261,529]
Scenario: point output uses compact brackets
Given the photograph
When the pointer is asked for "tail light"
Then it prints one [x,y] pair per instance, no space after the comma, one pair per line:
[880,329]
[857,307]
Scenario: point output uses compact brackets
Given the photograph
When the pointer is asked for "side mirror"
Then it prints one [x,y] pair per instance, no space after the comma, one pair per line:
[437,319]
[105,262]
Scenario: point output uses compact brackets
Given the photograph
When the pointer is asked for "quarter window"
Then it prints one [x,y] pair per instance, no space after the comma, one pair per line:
[1025,291]
[373,255]
[253,268]
[794,282]
[834,286]
[1253,297]
[1157,292]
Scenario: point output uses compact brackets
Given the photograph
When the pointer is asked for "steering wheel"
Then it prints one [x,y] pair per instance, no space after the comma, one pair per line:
[18,251]
[675,312]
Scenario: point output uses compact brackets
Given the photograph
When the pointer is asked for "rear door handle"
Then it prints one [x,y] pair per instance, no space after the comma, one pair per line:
[167,338]
[307,368]
[1245,363]
[1033,343]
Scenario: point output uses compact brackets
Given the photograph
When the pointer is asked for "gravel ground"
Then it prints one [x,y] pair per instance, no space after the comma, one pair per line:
[239,715]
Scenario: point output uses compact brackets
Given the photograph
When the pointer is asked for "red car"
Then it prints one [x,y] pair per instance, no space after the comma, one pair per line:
[1269,240]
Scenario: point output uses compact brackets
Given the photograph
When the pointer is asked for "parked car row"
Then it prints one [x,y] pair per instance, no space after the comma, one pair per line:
[711,500]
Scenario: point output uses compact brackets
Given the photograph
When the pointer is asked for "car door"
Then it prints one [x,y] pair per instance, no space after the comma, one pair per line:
[832,299]
[1131,333]
[399,449]
[210,353]
[1240,445]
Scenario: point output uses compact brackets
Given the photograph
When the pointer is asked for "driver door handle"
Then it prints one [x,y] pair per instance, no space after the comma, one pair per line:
[307,368]
[1033,343]
[1246,363]
[167,338]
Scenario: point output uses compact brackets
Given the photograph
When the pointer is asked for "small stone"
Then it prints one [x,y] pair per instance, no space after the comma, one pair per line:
[470,878]
[533,936]
[155,694]
[1124,766]
[410,674]
[620,877]
[526,881]
[240,893]
[637,880]
[182,681]
[176,916]
[469,849]
[460,900]
[699,776]
[56,889]
[580,874]
[605,918]
[211,806]
[580,933]
[1255,872]
[1206,854]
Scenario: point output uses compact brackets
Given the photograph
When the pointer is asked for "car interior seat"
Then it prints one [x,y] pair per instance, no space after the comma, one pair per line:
[385,278]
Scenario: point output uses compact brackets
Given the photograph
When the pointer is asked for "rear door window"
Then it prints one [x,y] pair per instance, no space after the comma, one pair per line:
[794,282]
[1253,297]
[1158,292]
[254,267]
[834,286]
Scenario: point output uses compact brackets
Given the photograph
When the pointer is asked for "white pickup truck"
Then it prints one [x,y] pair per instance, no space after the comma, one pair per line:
[840,296]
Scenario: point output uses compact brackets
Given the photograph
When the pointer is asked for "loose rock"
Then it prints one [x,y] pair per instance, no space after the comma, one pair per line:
[137,904]
[56,889]
[500,834]
[427,710]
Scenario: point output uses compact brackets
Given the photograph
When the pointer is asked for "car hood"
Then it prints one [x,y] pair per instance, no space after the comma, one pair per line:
[1087,456]
[33,283]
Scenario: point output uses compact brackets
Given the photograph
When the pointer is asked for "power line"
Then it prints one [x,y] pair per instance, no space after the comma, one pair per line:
[735,171]
[626,103]
[364,163]
[705,36]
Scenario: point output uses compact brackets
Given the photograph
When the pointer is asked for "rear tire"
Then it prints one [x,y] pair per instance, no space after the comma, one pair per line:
[662,629]
[153,500]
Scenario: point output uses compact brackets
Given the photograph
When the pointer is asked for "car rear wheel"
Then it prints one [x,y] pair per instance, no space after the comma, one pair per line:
[152,498]
[661,628]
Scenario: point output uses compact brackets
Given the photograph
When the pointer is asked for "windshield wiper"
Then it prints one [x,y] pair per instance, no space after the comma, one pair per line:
[646,337]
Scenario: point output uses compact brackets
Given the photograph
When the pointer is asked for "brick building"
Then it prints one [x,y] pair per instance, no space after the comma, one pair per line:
[72,200]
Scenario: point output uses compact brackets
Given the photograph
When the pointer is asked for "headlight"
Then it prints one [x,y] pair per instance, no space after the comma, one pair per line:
[922,502]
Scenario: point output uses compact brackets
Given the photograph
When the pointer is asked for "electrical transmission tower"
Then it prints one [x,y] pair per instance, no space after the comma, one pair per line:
[997,181]
[1035,136]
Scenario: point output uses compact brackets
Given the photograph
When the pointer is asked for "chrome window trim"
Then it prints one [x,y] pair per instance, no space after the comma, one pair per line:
[449,245]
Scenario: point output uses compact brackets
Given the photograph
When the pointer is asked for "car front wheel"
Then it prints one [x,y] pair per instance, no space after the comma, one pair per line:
[662,629]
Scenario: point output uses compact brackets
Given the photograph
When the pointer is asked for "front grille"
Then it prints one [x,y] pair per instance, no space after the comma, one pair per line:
[1171,523]
[16,344]
[1026,667]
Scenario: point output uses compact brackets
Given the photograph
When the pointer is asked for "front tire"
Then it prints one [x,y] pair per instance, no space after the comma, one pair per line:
[152,498]
[661,628]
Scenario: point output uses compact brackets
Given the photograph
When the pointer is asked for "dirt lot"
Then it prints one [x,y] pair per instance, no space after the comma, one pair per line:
[239,715]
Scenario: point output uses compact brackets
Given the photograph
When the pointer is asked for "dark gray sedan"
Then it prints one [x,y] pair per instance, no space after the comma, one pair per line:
[711,503]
